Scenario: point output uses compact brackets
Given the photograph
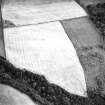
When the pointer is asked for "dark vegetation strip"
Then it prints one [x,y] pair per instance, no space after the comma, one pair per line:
[97,15]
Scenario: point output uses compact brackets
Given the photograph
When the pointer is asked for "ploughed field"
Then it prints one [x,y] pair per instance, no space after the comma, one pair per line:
[92,58]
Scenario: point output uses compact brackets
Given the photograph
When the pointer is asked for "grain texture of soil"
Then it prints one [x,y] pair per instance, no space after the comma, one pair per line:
[93,58]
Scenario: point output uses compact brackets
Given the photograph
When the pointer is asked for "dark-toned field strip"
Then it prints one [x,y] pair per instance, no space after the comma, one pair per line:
[97,15]
[2,48]
[44,93]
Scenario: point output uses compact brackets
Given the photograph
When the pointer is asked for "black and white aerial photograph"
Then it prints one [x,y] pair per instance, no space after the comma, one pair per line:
[52,52]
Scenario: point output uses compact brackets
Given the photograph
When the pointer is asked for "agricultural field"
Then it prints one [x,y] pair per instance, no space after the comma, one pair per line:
[87,34]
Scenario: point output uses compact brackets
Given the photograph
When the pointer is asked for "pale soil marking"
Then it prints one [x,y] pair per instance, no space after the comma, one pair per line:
[24,14]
